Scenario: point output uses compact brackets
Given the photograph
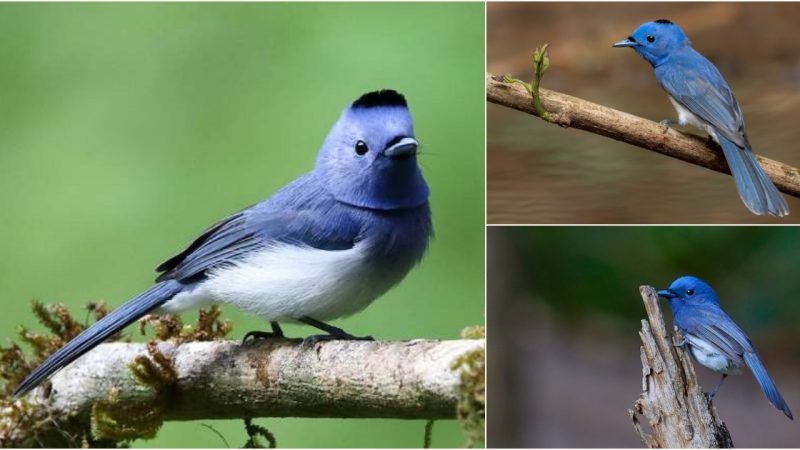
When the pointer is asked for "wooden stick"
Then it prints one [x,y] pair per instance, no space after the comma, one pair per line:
[676,409]
[567,111]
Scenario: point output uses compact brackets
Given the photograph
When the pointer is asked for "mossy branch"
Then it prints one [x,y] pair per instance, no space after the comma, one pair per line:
[417,379]
[676,409]
[567,111]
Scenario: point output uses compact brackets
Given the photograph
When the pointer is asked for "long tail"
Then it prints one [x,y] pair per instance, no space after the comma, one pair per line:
[769,388]
[118,319]
[755,188]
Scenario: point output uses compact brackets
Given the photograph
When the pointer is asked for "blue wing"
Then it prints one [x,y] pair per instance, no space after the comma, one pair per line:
[692,81]
[698,86]
[300,214]
[714,327]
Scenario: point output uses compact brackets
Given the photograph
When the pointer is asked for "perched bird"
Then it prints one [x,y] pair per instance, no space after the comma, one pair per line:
[704,100]
[322,247]
[713,338]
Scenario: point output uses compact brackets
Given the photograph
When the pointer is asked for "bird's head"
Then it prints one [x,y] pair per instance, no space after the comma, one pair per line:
[369,158]
[688,290]
[654,41]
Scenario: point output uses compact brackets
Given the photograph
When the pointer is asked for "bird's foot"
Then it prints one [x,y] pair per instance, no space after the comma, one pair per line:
[311,340]
[711,142]
[276,333]
[681,344]
[709,396]
[334,333]
[666,124]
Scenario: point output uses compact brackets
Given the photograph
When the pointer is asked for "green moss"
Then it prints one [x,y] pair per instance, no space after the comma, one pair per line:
[471,408]
[24,422]
[167,327]
[112,422]
[142,419]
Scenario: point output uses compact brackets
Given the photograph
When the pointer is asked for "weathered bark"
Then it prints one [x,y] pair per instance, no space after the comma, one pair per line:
[270,378]
[573,112]
[673,403]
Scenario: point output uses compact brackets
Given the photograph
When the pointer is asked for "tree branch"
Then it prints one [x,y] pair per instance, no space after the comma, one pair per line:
[573,112]
[270,378]
[673,403]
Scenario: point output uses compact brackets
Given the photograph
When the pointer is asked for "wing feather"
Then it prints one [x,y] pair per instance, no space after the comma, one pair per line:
[249,230]
[700,88]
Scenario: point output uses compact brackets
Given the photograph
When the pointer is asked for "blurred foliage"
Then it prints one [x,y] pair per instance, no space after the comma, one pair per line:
[591,270]
[129,128]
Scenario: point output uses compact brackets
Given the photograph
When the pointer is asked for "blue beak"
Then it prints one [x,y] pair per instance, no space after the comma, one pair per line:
[666,293]
[630,42]
[406,148]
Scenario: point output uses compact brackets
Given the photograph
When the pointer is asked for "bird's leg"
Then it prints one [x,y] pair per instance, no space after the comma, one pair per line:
[276,333]
[667,122]
[713,143]
[682,343]
[710,395]
[333,332]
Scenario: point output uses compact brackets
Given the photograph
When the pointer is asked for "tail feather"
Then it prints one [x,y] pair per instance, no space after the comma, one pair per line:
[767,386]
[98,332]
[755,188]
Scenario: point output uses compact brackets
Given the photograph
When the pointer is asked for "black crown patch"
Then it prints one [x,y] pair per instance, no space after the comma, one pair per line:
[383,97]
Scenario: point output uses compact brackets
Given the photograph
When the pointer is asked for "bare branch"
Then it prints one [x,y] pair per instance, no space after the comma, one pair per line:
[270,378]
[573,112]
[673,403]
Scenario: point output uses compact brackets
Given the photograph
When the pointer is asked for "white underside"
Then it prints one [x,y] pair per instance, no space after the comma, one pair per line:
[286,282]
[707,355]
[686,117]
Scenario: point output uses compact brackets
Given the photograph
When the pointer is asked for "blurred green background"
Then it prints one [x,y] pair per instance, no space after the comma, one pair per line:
[540,173]
[566,366]
[127,129]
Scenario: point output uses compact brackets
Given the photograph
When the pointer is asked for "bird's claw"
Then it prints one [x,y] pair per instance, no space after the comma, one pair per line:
[311,340]
[666,124]
[257,335]
[276,333]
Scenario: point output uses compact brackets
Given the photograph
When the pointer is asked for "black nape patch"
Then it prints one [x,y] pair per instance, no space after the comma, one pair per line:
[664,21]
[383,97]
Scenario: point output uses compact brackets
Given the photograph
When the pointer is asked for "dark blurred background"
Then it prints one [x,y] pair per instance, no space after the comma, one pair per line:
[540,173]
[126,129]
[564,313]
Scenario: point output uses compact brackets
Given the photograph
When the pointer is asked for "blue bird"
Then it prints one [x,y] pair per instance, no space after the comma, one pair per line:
[713,339]
[704,100]
[323,247]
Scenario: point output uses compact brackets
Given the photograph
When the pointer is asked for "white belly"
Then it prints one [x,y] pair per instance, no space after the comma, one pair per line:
[686,117]
[707,355]
[285,282]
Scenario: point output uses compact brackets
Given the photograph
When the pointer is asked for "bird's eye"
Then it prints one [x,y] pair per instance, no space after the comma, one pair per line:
[689,291]
[361,148]
[651,38]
